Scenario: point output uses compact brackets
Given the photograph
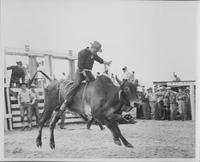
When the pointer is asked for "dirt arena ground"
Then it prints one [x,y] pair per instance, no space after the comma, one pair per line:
[151,139]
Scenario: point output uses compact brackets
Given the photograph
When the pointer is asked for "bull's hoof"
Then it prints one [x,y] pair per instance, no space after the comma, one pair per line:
[88,127]
[129,145]
[52,145]
[38,143]
[117,142]
[62,127]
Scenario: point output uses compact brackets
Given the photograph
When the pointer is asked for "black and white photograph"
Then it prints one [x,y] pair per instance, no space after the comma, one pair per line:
[100,80]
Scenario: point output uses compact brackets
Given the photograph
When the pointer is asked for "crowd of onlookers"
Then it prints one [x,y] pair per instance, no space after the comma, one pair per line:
[160,102]
[164,103]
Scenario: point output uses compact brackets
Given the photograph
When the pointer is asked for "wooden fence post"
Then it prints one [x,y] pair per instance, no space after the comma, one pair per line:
[192,99]
[9,115]
[71,66]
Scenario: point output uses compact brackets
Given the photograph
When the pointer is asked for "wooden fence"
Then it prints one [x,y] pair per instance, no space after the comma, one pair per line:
[12,110]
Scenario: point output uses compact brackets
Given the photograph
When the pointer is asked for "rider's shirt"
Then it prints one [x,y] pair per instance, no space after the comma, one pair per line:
[86,59]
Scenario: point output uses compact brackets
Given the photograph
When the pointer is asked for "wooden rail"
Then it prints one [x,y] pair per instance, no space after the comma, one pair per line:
[12,113]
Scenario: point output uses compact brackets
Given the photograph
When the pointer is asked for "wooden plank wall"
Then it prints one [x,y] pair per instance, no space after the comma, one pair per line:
[15,111]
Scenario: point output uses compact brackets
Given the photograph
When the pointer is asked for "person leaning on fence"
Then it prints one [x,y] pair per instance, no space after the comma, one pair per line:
[34,105]
[86,58]
[24,100]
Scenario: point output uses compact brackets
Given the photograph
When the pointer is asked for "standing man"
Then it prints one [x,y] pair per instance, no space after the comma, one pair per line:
[152,101]
[181,98]
[172,102]
[167,104]
[126,76]
[24,101]
[86,58]
[132,77]
[160,103]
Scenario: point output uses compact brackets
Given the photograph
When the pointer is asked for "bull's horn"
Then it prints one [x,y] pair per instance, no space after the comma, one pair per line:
[118,80]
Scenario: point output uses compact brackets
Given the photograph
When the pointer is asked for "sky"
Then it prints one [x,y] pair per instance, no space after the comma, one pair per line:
[152,38]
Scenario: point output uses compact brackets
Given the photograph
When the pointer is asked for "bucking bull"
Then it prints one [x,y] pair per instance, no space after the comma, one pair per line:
[100,100]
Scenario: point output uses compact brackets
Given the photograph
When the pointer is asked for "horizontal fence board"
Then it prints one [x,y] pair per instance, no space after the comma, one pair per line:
[70,118]
[36,89]
[19,125]
[14,106]
[17,112]
[18,119]
[12,98]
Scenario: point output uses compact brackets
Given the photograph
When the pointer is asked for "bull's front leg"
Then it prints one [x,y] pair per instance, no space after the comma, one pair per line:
[114,118]
[53,122]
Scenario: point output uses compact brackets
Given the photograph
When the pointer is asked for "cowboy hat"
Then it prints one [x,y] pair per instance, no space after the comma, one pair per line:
[19,63]
[124,68]
[97,45]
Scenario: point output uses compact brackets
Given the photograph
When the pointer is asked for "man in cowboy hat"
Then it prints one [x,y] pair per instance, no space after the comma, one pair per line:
[152,101]
[86,58]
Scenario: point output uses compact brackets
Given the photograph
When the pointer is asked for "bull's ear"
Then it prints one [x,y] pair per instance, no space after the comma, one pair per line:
[126,89]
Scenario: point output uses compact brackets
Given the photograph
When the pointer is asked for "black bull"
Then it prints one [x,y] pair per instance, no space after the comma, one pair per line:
[103,101]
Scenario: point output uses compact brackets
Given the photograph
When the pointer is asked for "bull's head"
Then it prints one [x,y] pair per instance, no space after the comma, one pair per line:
[128,93]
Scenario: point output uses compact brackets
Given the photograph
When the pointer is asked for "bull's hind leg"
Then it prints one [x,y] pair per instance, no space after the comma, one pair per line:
[56,117]
[45,116]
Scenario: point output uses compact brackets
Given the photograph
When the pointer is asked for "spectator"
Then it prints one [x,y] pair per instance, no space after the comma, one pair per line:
[64,75]
[172,102]
[34,106]
[132,77]
[24,99]
[176,78]
[166,104]
[139,113]
[181,99]
[126,76]
[145,105]
[187,105]
[136,82]
[159,113]
[152,101]
[18,74]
